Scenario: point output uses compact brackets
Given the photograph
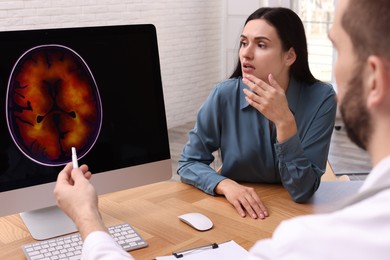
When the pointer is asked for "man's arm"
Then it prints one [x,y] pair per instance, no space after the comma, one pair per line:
[77,197]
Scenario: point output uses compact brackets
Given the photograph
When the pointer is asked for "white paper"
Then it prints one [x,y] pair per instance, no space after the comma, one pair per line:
[228,250]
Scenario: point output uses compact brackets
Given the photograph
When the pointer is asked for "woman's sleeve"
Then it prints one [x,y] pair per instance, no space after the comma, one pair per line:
[194,163]
[302,160]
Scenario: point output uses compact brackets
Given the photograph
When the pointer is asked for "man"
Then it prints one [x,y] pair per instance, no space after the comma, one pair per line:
[361,229]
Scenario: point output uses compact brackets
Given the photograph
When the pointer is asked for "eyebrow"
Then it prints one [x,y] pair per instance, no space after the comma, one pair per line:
[256,38]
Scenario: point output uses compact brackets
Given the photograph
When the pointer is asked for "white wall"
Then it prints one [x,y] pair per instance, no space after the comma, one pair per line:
[189,37]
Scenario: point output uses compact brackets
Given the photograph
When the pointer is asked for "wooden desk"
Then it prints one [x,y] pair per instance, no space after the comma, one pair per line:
[153,209]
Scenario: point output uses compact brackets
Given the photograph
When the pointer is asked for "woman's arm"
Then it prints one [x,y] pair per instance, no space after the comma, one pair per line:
[194,163]
[301,147]
[302,158]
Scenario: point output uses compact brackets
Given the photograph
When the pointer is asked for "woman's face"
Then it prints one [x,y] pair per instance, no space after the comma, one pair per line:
[261,51]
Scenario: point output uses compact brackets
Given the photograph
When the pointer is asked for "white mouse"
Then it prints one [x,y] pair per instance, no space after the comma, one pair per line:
[197,220]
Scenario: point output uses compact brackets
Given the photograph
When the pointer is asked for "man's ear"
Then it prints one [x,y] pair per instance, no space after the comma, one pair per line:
[377,81]
[291,56]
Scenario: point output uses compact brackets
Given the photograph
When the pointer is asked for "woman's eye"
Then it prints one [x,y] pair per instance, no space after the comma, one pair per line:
[242,44]
[262,45]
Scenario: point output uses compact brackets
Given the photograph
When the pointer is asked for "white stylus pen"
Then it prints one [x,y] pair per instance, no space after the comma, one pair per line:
[74,158]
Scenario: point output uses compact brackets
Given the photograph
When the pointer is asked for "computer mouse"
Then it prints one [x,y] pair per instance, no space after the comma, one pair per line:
[197,220]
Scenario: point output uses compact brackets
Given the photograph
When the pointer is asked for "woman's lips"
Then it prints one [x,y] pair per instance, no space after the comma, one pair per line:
[247,68]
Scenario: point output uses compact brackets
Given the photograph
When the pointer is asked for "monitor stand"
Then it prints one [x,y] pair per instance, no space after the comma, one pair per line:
[47,223]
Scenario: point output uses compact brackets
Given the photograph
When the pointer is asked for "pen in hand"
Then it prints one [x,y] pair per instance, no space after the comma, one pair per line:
[74,158]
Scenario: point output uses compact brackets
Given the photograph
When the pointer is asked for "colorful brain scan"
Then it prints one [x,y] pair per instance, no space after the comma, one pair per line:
[53,104]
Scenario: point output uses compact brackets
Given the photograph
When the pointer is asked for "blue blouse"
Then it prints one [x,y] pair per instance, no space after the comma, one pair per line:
[248,146]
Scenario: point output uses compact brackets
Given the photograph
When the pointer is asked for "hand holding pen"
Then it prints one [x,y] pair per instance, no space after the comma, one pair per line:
[77,197]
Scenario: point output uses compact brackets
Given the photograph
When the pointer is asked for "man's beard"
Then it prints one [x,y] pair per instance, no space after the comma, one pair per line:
[356,118]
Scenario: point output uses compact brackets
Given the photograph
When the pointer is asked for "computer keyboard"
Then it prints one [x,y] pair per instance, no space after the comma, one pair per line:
[69,246]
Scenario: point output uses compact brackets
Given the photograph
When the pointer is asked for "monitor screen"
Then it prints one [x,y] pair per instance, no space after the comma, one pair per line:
[97,89]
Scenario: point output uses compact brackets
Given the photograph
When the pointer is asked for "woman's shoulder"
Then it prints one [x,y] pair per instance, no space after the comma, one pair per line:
[229,83]
[321,87]
[316,90]
[224,93]
[228,86]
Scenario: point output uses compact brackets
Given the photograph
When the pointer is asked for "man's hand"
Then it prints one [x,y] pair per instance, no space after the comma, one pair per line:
[77,197]
[243,198]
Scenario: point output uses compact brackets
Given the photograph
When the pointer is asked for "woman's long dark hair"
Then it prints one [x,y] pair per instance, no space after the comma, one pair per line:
[291,33]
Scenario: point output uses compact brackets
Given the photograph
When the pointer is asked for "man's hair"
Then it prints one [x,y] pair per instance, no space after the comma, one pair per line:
[367,22]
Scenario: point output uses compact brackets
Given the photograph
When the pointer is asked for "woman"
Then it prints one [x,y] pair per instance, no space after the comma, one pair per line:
[272,120]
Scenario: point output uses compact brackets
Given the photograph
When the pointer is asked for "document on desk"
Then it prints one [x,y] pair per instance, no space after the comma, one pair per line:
[228,250]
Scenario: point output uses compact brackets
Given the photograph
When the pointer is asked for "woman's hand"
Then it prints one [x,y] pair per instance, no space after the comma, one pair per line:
[243,198]
[270,100]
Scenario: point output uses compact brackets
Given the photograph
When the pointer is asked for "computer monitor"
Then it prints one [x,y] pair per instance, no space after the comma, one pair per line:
[97,89]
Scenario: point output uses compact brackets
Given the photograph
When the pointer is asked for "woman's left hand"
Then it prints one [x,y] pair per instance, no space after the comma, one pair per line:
[270,100]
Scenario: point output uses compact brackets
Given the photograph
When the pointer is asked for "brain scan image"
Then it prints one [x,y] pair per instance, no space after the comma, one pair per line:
[53,104]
